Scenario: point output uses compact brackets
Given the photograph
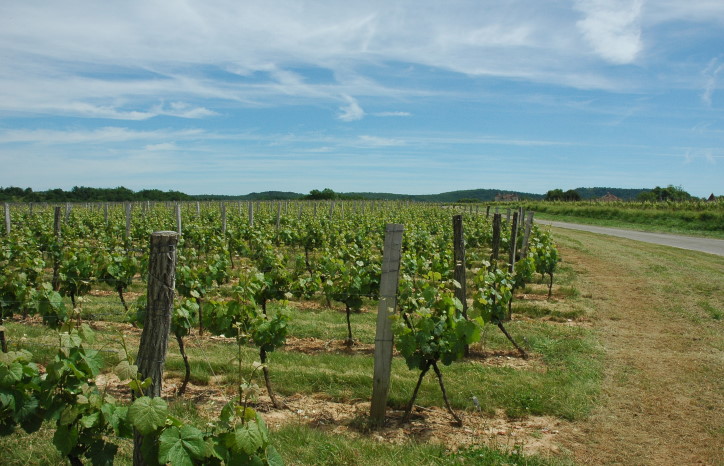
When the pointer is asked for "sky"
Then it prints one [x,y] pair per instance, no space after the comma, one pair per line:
[416,97]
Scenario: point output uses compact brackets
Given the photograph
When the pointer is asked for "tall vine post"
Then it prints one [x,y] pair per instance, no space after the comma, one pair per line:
[496,240]
[460,267]
[56,249]
[7,219]
[384,340]
[157,323]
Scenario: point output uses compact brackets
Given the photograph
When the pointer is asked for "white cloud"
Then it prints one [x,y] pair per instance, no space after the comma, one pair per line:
[392,114]
[711,75]
[161,146]
[352,111]
[375,141]
[183,110]
[110,134]
[612,28]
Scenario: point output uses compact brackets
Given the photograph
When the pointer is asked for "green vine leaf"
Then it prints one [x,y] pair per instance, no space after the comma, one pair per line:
[148,414]
[181,446]
[125,370]
[273,458]
[65,439]
[247,439]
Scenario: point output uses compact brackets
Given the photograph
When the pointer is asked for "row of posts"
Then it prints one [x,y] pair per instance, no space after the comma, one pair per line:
[251,209]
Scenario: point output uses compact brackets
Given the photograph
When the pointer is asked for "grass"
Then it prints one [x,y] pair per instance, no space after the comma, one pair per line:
[680,227]
[305,445]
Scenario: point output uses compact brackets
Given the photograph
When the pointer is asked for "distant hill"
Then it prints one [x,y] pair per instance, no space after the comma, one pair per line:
[263,196]
[121,194]
[483,195]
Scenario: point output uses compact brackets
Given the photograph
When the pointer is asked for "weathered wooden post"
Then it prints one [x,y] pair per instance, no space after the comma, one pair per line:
[7,218]
[526,233]
[157,323]
[496,241]
[251,214]
[279,215]
[459,272]
[128,221]
[56,251]
[513,243]
[386,308]
[178,218]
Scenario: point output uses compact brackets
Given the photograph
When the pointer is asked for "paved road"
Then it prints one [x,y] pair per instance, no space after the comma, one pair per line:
[712,246]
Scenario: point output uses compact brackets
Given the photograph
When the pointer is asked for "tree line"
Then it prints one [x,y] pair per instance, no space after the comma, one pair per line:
[86,194]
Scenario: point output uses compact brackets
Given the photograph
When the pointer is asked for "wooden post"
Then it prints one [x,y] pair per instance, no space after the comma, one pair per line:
[384,338]
[496,240]
[223,219]
[157,323]
[68,208]
[331,210]
[198,209]
[487,211]
[251,214]
[105,213]
[56,252]
[7,218]
[513,242]
[526,233]
[178,219]
[128,220]
[279,215]
[459,272]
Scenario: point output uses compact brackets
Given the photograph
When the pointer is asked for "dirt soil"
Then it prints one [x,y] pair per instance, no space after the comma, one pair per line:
[659,404]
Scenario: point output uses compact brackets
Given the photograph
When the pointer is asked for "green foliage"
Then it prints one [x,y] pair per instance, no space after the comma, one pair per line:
[50,306]
[19,384]
[669,193]
[77,271]
[559,195]
[546,256]
[239,436]
[494,290]
[431,327]
[84,416]
[317,195]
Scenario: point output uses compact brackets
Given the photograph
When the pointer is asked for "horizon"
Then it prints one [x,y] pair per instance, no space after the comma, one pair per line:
[405,97]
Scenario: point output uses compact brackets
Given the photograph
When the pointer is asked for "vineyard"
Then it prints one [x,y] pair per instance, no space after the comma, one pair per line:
[274,303]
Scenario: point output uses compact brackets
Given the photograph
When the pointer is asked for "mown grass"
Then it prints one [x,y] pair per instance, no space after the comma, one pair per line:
[307,445]
[660,222]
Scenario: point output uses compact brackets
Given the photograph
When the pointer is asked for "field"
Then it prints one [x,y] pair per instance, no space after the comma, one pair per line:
[700,218]
[624,361]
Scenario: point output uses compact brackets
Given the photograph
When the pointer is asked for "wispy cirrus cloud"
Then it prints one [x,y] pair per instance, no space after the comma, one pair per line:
[352,111]
[711,78]
[110,134]
[392,114]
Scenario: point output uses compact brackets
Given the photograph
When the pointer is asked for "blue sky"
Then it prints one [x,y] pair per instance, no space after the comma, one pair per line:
[418,97]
